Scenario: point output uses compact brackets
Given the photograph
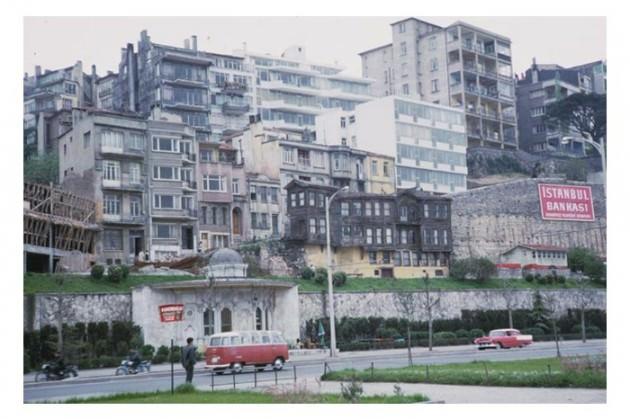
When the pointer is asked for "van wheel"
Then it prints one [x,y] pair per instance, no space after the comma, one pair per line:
[278,364]
[237,368]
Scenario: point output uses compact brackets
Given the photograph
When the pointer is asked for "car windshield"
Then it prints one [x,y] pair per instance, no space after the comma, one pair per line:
[497,333]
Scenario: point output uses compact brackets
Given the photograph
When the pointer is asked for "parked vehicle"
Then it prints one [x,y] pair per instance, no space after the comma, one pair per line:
[235,350]
[503,338]
[126,367]
[48,372]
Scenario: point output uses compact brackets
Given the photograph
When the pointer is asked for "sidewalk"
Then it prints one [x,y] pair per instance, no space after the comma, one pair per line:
[458,394]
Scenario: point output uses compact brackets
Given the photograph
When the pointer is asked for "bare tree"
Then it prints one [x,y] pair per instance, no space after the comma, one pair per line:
[583,298]
[552,306]
[508,292]
[405,303]
[428,302]
[60,311]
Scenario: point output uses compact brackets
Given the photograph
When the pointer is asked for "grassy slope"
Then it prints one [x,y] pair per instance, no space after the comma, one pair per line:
[525,373]
[241,397]
[40,283]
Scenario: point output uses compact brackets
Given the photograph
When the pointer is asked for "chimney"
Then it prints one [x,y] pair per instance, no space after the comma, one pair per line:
[187,43]
[38,71]
[93,86]
[534,71]
[194,42]
[131,79]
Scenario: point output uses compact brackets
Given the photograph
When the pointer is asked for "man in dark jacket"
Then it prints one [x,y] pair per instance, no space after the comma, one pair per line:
[189,357]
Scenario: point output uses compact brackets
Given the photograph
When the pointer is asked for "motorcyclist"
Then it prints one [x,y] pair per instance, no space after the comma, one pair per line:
[58,365]
[135,359]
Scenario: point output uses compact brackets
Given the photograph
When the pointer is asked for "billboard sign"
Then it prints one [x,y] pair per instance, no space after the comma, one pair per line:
[566,202]
[171,313]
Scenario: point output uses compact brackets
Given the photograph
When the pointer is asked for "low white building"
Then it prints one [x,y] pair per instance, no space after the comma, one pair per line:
[226,301]
[427,140]
[540,255]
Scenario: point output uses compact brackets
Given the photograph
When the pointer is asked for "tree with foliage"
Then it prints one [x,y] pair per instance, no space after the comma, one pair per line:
[405,302]
[478,269]
[583,298]
[575,169]
[42,169]
[539,314]
[581,112]
[584,260]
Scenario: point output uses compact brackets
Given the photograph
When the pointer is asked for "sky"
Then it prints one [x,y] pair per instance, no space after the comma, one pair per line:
[55,42]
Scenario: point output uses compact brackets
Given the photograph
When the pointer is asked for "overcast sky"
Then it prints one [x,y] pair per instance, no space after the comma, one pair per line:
[58,42]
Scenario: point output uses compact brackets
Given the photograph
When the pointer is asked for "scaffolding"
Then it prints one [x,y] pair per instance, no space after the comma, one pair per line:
[57,223]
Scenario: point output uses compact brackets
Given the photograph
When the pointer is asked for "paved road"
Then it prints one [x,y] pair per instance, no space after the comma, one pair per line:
[94,383]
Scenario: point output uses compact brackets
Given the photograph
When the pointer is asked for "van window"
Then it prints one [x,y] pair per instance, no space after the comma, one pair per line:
[225,341]
[255,338]
[266,339]
[247,339]
[277,339]
[215,341]
[236,340]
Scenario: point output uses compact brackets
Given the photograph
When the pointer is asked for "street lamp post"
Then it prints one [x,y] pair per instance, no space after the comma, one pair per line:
[601,149]
[331,305]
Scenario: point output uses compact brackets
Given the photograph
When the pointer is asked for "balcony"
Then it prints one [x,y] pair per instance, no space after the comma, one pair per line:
[304,161]
[121,151]
[509,119]
[489,113]
[189,185]
[124,184]
[189,157]
[124,219]
[488,92]
[235,109]
[186,105]
[233,88]
[190,212]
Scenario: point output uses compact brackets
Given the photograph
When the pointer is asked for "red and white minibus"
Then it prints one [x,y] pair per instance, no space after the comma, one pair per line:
[234,350]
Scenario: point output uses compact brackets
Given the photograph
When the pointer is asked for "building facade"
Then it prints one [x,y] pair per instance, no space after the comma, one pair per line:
[291,91]
[460,65]
[541,86]
[401,235]
[428,141]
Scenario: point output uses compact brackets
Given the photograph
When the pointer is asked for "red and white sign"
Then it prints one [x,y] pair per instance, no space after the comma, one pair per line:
[566,202]
[171,313]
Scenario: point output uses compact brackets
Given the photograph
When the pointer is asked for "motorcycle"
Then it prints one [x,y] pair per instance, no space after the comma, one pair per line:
[48,373]
[126,367]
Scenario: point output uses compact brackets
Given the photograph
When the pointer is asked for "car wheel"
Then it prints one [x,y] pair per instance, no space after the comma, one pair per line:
[237,368]
[278,364]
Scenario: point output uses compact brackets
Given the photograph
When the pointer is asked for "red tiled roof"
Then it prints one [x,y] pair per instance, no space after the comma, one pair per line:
[509,265]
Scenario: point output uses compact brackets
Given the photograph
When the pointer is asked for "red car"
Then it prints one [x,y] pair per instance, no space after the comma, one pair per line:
[503,338]
[234,350]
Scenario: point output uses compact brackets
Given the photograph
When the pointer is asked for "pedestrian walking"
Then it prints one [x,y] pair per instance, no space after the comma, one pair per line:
[189,358]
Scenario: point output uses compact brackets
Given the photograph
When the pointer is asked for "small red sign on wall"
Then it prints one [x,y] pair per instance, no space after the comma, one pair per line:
[171,313]
[566,202]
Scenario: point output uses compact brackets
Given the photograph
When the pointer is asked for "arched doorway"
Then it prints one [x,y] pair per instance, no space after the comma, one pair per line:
[236,221]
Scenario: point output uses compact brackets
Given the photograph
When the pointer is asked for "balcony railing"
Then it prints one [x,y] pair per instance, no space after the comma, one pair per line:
[107,149]
[124,183]
[189,184]
[304,161]
[191,157]
[235,109]
[233,88]
[124,219]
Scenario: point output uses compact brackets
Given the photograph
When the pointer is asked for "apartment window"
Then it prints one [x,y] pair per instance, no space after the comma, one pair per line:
[356,208]
[112,139]
[403,236]
[287,155]
[205,155]
[111,204]
[274,195]
[432,43]
[372,258]
[386,209]
[111,170]
[388,236]
[136,141]
[405,89]
[385,169]
[368,209]
[301,197]
[403,49]
[135,206]
[436,239]
[538,129]
[426,210]
[368,235]
[214,183]
[537,111]
[346,231]
[65,149]
[322,226]
[263,222]
[165,173]
[134,173]
[377,209]
[164,144]
[254,219]
[253,196]
[434,86]
[321,200]
[164,231]
[434,64]
[311,199]
[318,159]
[351,119]
[374,167]
[386,257]
[345,209]
[445,236]
[293,200]
[342,122]
[235,187]
[304,158]
[404,71]
[262,191]
[112,240]
[401,27]
[86,139]
[406,258]
[403,213]
[161,201]
[379,236]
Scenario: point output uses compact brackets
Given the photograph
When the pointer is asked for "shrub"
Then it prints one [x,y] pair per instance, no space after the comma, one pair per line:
[339,279]
[561,279]
[97,271]
[308,273]
[478,269]
[589,329]
[321,275]
[185,388]
[549,279]
[477,333]
[540,279]
[101,347]
[387,332]
[114,274]
[444,335]
[122,348]
[352,391]
[158,359]
[163,351]
[462,333]
[529,278]
[105,361]
[147,351]
[534,331]
[125,271]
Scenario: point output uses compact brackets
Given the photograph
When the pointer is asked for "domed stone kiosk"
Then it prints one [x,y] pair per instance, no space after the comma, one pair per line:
[226,300]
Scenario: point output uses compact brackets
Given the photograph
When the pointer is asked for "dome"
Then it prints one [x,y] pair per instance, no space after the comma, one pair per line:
[225,256]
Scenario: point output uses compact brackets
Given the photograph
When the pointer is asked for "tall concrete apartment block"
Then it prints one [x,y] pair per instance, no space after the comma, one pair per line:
[460,66]
[427,140]
[543,85]
[210,92]
[291,91]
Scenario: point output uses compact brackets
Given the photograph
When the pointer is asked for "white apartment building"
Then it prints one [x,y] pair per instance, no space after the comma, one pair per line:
[460,65]
[291,91]
[428,140]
